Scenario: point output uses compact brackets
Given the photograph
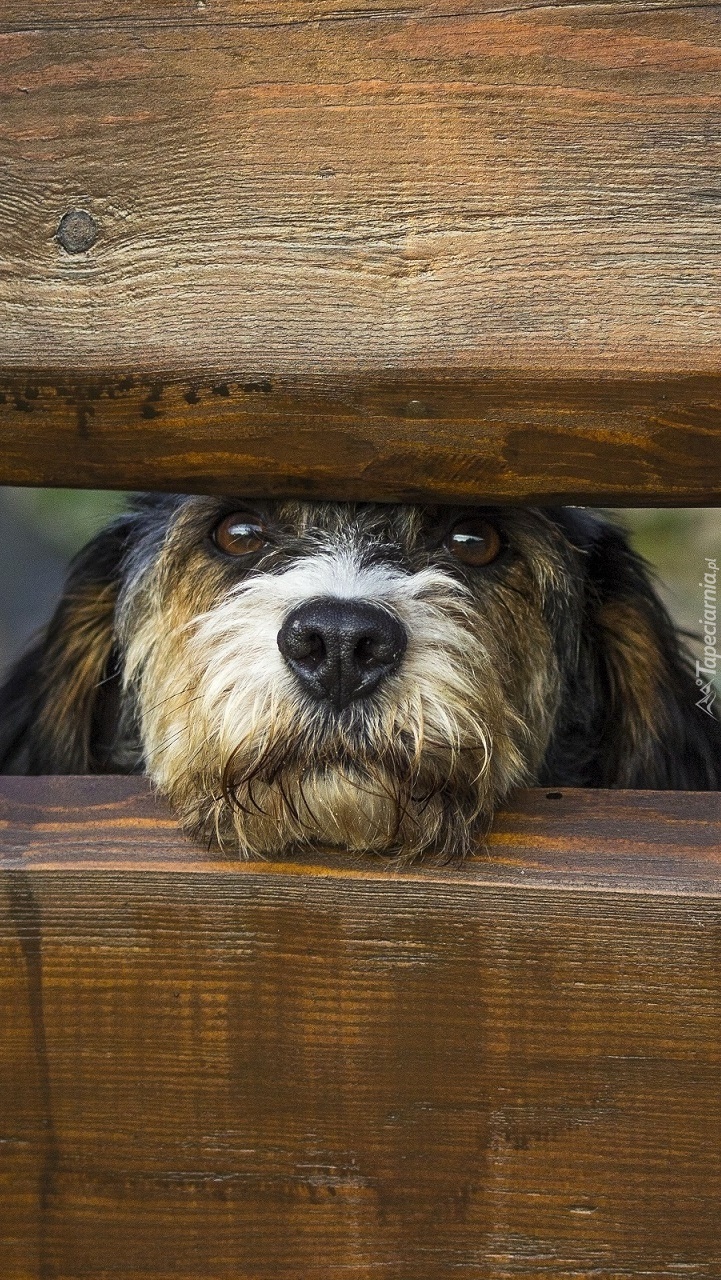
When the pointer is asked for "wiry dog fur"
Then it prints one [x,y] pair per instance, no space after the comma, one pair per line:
[555,664]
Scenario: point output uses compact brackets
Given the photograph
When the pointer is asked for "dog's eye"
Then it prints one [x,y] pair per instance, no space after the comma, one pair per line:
[239,535]
[474,542]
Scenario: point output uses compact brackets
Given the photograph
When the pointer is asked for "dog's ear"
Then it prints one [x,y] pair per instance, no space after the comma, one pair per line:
[650,730]
[59,703]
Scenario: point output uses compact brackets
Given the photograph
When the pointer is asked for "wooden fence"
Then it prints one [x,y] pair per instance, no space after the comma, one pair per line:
[436,250]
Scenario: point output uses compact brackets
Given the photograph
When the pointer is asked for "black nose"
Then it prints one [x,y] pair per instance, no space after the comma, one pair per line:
[341,649]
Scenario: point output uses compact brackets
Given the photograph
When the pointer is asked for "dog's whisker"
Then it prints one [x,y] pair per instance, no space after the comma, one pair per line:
[205,743]
[169,742]
[171,697]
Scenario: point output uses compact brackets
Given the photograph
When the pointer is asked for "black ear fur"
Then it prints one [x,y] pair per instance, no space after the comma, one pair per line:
[630,715]
[58,705]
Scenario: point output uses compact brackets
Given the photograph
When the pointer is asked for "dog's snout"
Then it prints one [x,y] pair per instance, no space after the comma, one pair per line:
[340,650]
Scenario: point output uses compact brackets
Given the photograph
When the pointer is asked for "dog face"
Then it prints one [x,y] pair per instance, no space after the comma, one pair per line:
[364,676]
[376,678]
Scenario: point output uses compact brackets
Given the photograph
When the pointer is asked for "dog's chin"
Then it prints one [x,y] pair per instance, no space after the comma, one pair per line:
[339,807]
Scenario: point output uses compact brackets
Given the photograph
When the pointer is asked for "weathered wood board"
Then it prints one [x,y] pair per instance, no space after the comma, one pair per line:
[436,249]
[321,1069]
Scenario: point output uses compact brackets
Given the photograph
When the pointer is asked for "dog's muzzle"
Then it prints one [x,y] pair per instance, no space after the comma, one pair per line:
[341,650]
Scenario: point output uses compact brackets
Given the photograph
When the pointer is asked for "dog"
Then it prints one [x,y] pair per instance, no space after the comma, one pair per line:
[365,676]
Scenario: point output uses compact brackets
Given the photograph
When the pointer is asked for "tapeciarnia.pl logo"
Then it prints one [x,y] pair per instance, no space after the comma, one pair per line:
[710,665]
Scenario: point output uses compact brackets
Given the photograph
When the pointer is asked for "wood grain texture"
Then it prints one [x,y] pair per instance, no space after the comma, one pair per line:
[223,1070]
[444,249]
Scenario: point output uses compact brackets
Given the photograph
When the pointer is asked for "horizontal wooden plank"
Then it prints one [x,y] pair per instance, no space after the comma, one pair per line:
[635,841]
[509,1068]
[442,250]
[493,440]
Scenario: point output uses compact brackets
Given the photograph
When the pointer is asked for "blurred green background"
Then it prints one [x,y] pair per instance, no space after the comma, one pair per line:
[40,529]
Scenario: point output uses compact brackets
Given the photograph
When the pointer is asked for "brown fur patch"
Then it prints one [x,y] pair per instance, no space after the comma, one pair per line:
[73,667]
[636,668]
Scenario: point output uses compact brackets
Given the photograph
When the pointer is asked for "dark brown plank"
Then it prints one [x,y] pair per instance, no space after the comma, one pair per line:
[440,249]
[288,1072]
[640,443]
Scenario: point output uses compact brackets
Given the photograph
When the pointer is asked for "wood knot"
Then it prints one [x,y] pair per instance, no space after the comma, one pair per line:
[77,231]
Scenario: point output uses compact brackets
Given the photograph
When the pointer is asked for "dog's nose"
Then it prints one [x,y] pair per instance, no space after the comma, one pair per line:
[341,649]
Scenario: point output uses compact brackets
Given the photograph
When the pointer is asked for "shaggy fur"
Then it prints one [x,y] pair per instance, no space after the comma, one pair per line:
[555,664]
